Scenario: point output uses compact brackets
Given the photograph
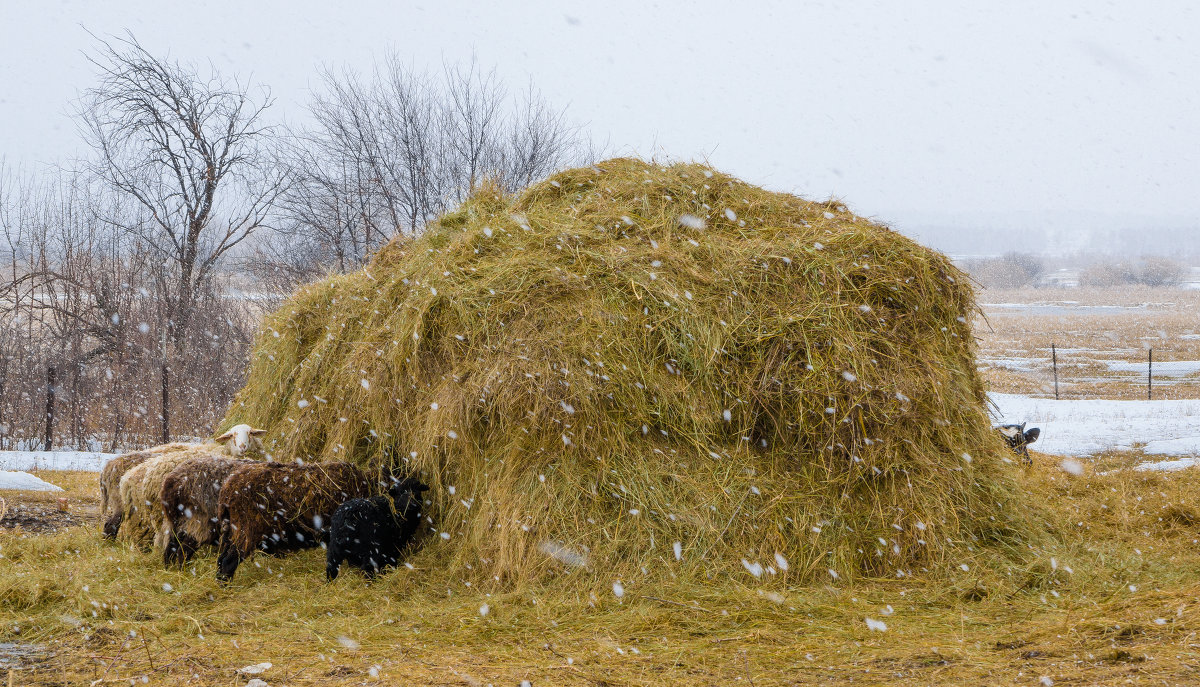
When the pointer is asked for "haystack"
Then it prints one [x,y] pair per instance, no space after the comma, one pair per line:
[640,369]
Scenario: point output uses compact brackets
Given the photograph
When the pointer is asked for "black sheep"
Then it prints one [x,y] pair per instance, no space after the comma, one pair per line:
[370,533]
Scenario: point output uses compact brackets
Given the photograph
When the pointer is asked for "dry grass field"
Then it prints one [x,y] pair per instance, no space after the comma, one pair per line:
[1102,337]
[1110,599]
[1109,595]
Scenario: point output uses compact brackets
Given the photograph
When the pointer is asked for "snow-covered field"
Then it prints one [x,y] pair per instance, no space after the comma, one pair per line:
[1088,427]
[86,461]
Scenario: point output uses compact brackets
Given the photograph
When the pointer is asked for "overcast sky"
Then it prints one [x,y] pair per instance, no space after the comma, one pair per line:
[914,113]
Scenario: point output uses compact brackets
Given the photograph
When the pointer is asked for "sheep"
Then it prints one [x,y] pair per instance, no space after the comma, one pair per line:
[142,516]
[274,507]
[240,439]
[139,494]
[112,511]
[370,533]
[1018,440]
[189,502]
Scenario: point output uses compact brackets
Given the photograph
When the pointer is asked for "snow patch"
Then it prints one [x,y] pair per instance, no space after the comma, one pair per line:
[24,481]
[83,461]
[1088,427]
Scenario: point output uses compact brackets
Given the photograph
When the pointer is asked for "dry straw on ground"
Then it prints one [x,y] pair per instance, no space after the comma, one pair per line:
[629,355]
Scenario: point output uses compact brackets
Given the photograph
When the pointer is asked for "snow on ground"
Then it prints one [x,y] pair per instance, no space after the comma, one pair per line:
[1088,427]
[86,461]
[24,482]
[1166,368]
[1166,465]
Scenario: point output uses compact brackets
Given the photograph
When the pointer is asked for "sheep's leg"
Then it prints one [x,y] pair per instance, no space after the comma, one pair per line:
[171,553]
[227,562]
[228,556]
[113,525]
[179,550]
[187,548]
[333,561]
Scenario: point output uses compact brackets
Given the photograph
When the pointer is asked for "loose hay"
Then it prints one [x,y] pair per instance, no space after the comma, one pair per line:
[629,355]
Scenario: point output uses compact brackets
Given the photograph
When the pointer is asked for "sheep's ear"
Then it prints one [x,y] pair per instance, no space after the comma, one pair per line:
[1008,431]
[1032,435]
[257,432]
[224,437]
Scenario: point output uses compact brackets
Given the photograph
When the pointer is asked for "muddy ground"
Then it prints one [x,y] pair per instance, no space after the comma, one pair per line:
[40,512]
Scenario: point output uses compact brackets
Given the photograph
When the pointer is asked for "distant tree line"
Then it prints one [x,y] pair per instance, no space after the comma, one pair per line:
[1016,270]
[132,283]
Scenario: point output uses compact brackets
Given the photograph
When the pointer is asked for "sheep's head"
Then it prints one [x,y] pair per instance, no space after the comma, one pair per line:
[408,485]
[241,438]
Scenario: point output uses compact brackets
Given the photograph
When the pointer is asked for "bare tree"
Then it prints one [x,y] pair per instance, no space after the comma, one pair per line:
[392,151]
[82,318]
[193,153]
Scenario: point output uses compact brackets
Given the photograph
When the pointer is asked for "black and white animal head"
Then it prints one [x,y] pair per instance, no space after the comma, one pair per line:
[407,485]
[241,438]
[1018,439]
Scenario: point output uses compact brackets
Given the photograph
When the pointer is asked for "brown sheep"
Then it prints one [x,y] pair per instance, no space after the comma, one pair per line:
[111,512]
[237,441]
[274,507]
[189,501]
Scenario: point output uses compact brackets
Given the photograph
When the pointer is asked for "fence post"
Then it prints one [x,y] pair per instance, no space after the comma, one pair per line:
[1054,360]
[51,380]
[1150,377]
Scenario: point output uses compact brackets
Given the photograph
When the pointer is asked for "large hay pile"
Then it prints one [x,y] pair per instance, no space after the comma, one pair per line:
[629,355]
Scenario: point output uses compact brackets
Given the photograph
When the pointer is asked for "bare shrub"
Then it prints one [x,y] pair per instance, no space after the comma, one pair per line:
[1009,271]
[1160,271]
[1147,271]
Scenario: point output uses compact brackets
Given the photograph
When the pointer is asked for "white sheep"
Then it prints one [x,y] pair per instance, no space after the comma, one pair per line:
[241,438]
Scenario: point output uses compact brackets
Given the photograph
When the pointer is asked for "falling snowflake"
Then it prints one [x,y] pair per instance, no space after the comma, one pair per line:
[876,625]
[618,589]
[691,221]
[564,554]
